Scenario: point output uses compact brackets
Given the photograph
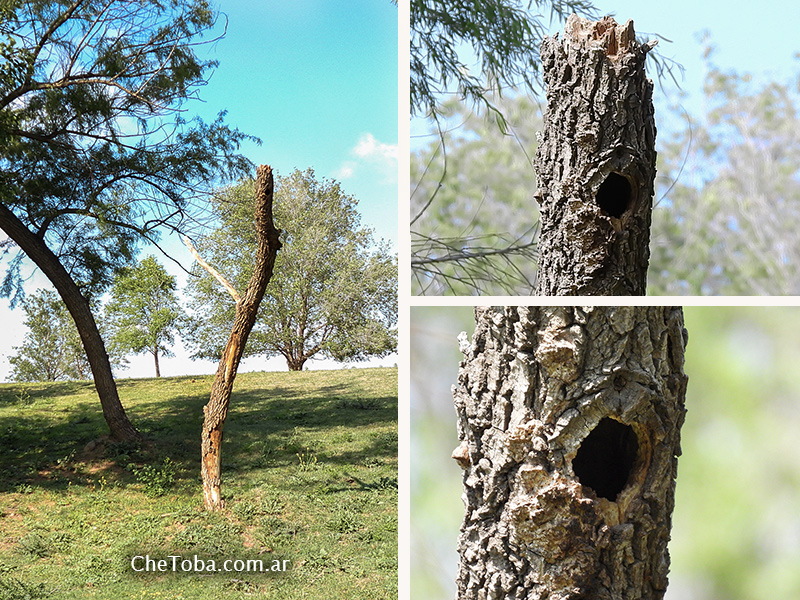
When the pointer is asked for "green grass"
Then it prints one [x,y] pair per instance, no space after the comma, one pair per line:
[309,466]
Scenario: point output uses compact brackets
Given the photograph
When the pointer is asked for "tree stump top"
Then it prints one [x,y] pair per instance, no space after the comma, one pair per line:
[596,162]
[615,39]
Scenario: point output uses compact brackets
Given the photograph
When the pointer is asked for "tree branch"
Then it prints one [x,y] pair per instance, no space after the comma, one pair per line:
[231,290]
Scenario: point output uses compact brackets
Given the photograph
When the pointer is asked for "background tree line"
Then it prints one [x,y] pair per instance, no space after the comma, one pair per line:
[333,294]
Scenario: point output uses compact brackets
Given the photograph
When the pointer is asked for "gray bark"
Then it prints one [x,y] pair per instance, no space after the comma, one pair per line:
[569,420]
[596,162]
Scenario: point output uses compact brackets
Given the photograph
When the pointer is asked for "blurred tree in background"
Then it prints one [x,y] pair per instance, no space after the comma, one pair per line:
[736,527]
[472,202]
[729,224]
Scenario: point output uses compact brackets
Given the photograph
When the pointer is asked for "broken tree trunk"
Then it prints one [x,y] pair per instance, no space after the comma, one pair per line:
[246,309]
[569,420]
[596,162]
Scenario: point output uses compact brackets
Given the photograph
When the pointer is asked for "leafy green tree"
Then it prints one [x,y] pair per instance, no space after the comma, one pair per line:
[52,349]
[96,153]
[333,292]
[143,313]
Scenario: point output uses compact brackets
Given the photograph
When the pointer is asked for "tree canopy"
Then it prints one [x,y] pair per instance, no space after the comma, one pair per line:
[95,152]
[144,313]
[333,292]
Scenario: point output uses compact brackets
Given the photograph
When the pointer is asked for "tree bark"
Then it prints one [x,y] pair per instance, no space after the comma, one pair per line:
[596,162]
[35,248]
[296,364]
[569,420]
[246,310]
[155,358]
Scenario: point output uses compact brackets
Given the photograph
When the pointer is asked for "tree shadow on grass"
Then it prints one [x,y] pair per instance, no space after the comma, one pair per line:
[48,448]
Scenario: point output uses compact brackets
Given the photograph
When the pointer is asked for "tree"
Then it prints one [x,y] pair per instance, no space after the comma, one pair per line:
[333,293]
[143,313]
[51,350]
[569,420]
[596,162]
[728,226]
[503,35]
[95,153]
[247,304]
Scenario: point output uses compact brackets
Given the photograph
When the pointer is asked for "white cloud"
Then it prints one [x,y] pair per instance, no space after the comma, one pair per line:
[369,154]
[346,170]
[370,148]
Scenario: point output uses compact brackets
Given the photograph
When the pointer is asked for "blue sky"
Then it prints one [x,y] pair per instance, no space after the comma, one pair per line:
[316,80]
[755,37]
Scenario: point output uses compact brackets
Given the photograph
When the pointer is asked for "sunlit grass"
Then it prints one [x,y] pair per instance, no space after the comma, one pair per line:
[309,476]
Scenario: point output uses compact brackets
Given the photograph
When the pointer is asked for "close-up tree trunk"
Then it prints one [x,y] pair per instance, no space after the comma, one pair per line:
[596,162]
[569,420]
[247,305]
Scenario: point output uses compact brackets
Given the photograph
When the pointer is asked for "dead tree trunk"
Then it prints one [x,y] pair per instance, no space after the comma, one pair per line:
[35,248]
[596,162]
[569,420]
[246,309]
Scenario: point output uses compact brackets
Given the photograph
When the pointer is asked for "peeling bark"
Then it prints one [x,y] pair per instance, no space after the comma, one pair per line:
[596,162]
[246,310]
[569,420]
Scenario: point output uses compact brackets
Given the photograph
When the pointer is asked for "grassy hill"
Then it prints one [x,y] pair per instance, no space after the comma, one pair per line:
[309,477]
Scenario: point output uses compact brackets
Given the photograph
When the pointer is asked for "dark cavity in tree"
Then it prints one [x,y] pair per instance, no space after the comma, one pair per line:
[606,457]
[614,195]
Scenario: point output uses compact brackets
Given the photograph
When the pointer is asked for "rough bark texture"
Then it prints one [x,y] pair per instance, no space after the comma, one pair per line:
[35,248]
[558,407]
[246,310]
[596,162]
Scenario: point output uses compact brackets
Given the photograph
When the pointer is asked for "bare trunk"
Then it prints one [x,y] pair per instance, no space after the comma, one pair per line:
[596,162]
[246,309]
[569,420]
[155,358]
[296,364]
[119,425]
